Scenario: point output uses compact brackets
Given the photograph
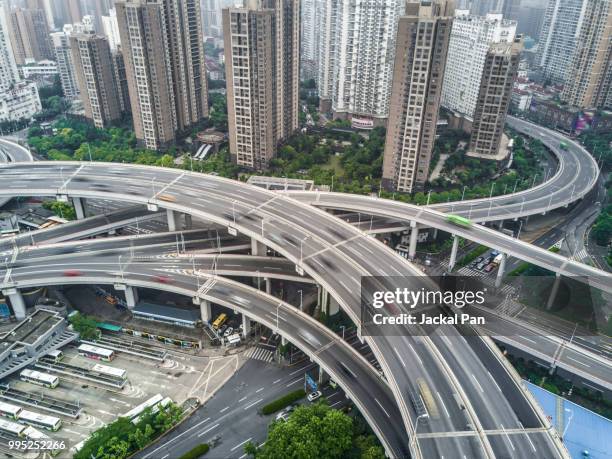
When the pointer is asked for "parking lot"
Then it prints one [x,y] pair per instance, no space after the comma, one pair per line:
[180,376]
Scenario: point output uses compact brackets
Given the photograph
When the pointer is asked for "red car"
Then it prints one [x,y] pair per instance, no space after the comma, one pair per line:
[72,273]
[162,279]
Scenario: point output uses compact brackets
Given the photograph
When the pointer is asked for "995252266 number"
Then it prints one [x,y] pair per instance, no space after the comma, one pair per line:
[37,445]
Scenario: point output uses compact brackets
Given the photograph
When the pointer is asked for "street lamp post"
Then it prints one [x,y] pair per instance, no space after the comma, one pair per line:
[571,412]
[301,300]
[518,236]
[463,193]
[343,328]
[277,308]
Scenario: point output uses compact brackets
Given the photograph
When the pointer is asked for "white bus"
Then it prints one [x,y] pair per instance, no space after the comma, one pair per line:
[9,411]
[110,371]
[97,353]
[36,435]
[39,420]
[162,404]
[136,411]
[12,427]
[37,377]
[56,355]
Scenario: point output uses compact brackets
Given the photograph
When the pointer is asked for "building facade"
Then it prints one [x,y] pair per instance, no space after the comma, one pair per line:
[261,43]
[557,42]
[470,39]
[29,34]
[496,84]
[110,28]
[589,77]
[356,54]
[8,67]
[63,58]
[422,42]
[93,65]
[163,52]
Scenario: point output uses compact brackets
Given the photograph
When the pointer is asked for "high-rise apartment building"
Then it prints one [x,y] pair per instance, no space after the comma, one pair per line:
[63,57]
[589,78]
[212,22]
[470,40]
[29,35]
[261,42]
[8,68]
[110,28]
[121,80]
[498,75]
[558,38]
[93,65]
[309,41]
[356,53]
[422,42]
[162,44]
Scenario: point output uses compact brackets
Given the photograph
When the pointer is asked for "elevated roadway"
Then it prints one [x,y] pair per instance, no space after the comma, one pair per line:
[336,255]
[12,152]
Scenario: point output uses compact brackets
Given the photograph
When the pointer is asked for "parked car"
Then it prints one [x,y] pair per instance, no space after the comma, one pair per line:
[228,331]
[490,267]
[480,265]
[314,396]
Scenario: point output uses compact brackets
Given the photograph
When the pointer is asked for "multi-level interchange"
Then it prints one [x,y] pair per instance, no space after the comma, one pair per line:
[489,412]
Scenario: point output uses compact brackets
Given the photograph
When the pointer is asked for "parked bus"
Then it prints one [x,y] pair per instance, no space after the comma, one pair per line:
[110,371]
[459,221]
[430,403]
[37,377]
[155,408]
[12,427]
[56,355]
[39,420]
[9,411]
[137,410]
[219,321]
[96,353]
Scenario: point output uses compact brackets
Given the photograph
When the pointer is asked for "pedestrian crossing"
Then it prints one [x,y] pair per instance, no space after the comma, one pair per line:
[580,255]
[260,353]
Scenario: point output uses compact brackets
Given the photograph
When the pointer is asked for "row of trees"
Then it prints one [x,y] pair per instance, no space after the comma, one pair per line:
[318,431]
[122,438]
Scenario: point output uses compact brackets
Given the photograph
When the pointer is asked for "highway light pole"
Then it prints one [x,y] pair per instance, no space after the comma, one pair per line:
[301,301]
[463,193]
[571,412]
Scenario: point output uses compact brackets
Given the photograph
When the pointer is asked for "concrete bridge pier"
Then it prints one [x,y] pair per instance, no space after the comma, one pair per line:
[131,296]
[500,270]
[268,285]
[414,234]
[173,220]
[205,312]
[246,326]
[257,248]
[17,302]
[79,207]
[453,255]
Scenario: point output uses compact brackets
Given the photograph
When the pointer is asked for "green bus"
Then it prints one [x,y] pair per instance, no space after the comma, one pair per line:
[563,146]
[459,221]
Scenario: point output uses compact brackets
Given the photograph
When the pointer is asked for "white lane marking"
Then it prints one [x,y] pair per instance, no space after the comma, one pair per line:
[240,444]
[508,437]
[443,405]
[208,430]
[578,361]
[176,438]
[224,409]
[242,399]
[293,382]
[399,357]
[277,381]
[477,383]
[253,404]
[493,379]
[259,390]
[381,407]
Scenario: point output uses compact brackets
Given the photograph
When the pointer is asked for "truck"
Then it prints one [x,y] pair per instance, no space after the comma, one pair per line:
[459,221]
[219,321]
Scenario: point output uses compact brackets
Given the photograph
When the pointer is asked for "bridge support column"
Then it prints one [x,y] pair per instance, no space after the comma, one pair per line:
[173,220]
[17,302]
[257,248]
[414,234]
[79,207]
[323,299]
[553,293]
[453,255]
[246,326]
[131,296]
[321,375]
[205,312]
[283,341]
[268,285]
[500,270]
[188,222]
[501,225]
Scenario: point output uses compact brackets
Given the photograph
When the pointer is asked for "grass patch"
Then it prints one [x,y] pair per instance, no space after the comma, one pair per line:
[284,401]
[335,165]
[196,452]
